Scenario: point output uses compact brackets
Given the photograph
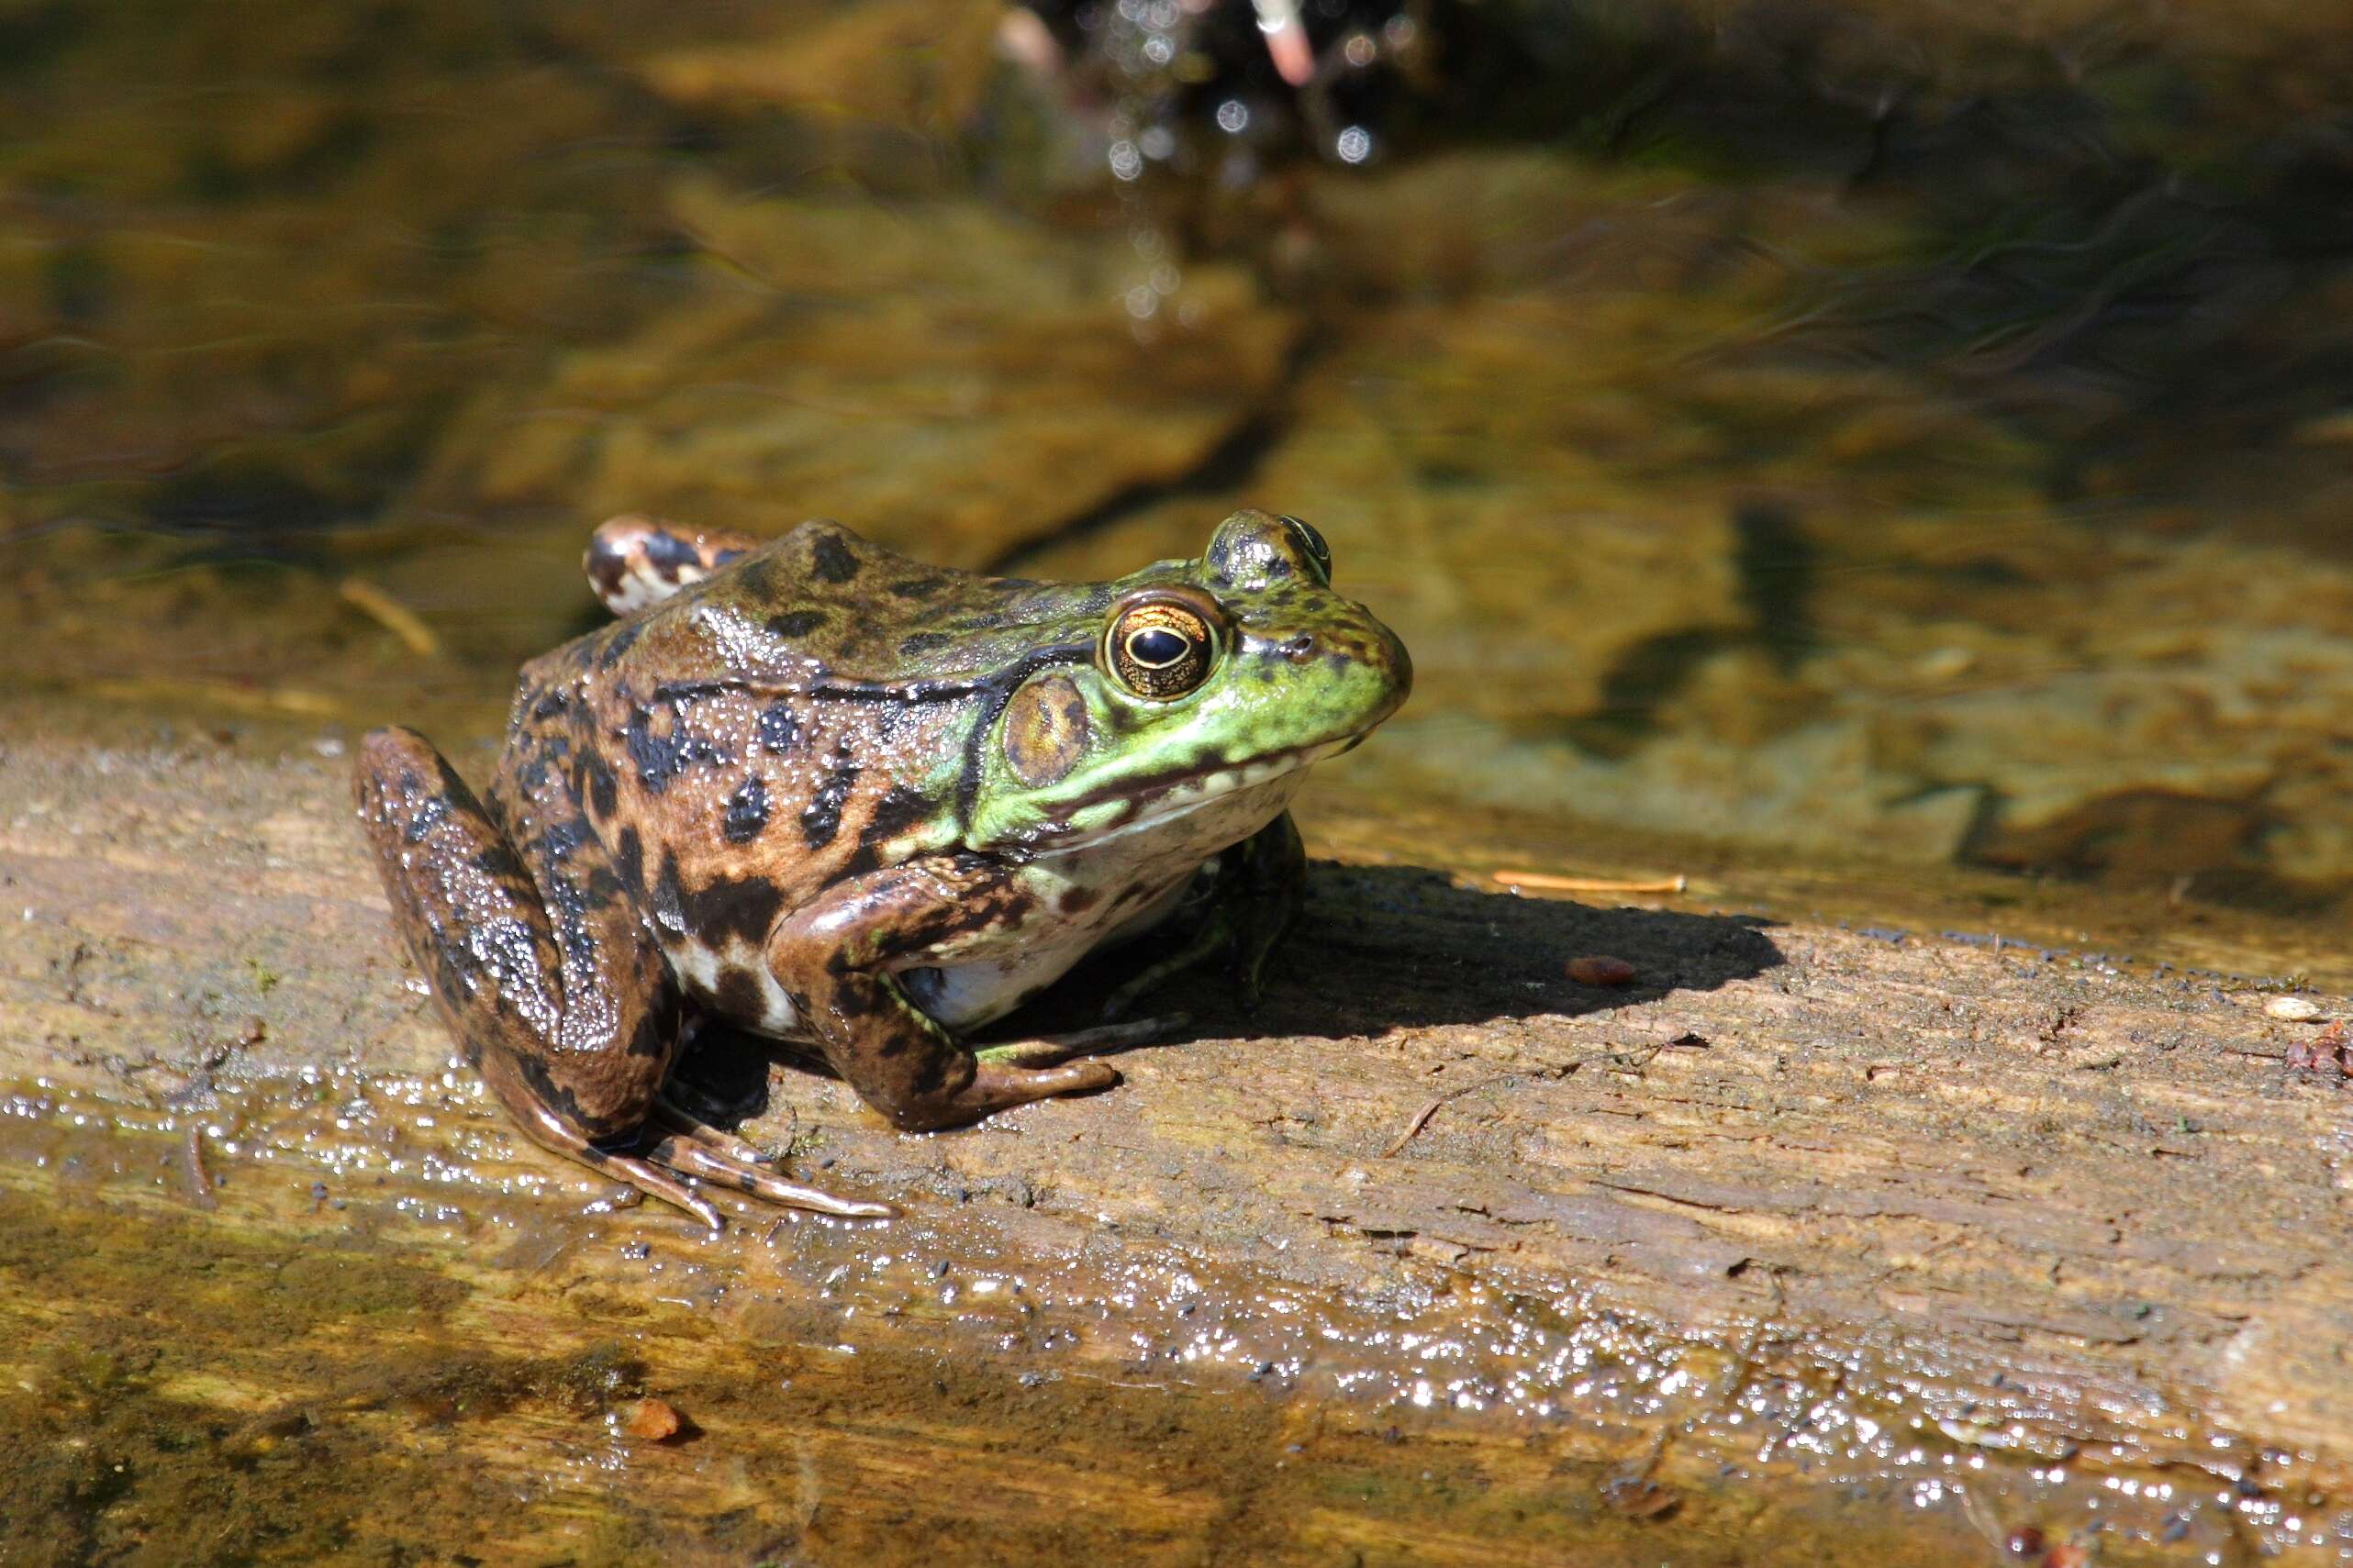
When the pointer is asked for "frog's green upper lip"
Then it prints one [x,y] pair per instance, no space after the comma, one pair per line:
[1226,776]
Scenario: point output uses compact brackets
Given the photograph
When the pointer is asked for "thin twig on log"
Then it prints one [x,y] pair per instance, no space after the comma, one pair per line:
[1551,883]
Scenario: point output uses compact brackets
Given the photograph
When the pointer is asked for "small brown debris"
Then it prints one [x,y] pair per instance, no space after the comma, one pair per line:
[2062,1019]
[2065,1556]
[2327,1051]
[199,1179]
[2027,1540]
[1639,1497]
[1598,969]
[1546,881]
[655,1420]
[1421,1119]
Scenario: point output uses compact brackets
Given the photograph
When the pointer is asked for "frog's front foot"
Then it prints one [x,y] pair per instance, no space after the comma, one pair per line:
[1252,900]
[999,1085]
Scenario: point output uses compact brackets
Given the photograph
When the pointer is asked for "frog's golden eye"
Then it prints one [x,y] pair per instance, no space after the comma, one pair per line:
[1159,649]
[1319,554]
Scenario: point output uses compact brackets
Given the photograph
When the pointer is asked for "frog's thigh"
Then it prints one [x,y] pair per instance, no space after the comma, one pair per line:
[835,957]
[570,1025]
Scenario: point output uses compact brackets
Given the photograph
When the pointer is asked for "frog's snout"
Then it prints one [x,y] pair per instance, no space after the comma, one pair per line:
[1377,649]
[1374,670]
[1400,664]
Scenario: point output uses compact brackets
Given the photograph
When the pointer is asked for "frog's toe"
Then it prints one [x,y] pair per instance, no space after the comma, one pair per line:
[1250,972]
[654,1182]
[634,561]
[1042,1050]
[671,1115]
[686,1153]
[694,1148]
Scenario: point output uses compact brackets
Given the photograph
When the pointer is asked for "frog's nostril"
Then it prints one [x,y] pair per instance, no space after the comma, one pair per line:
[1299,650]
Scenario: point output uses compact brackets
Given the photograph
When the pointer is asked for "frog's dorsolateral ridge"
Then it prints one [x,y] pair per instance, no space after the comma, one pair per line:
[835,796]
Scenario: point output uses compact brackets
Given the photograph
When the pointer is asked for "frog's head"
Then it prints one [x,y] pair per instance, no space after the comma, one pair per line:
[1199,678]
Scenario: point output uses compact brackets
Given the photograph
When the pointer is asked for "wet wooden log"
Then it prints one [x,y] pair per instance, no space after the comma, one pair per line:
[1794,1200]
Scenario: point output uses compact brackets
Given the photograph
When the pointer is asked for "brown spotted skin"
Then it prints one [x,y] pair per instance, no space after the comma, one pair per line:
[537,963]
[839,797]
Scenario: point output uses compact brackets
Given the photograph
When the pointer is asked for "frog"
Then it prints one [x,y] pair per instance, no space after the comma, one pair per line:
[821,791]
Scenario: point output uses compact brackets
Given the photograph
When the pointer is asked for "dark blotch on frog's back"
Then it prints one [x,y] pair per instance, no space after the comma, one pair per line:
[901,807]
[629,861]
[739,993]
[598,785]
[899,810]
[716,909]
[795,623]
[779,727]
[820,819]
[734,907]
[832,560]
[618,641]
[662,750]
[747,811]
[756,580]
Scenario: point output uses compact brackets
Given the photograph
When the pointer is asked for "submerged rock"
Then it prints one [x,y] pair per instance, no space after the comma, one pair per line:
[951,380]
[1659,569]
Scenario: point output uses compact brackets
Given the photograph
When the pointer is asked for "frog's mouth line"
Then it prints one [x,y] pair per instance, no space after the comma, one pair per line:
[1180,795]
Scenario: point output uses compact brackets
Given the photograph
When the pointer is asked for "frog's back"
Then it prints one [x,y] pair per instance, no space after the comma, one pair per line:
[807,713]
[822,603]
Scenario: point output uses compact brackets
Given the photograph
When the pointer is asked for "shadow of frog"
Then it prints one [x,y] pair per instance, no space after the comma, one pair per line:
[1376,948]
[1381,947]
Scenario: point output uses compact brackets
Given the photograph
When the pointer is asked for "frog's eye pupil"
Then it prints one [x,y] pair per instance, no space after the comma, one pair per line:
[1159,649]
[1156,647]
[1312,542]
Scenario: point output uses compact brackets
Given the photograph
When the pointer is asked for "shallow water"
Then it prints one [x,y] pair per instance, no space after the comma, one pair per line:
[1876,466]
[463,1355]
[1861,435]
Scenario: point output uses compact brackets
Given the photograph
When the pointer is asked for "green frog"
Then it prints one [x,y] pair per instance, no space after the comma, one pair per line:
[840,797]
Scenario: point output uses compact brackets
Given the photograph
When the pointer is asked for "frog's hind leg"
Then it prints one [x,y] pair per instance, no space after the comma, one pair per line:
[474,920]
[634,561]
[540,967]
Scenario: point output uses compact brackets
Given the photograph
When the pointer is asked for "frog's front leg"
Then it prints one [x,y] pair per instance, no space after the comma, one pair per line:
[839,959]
[1255,889]
[542,972]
